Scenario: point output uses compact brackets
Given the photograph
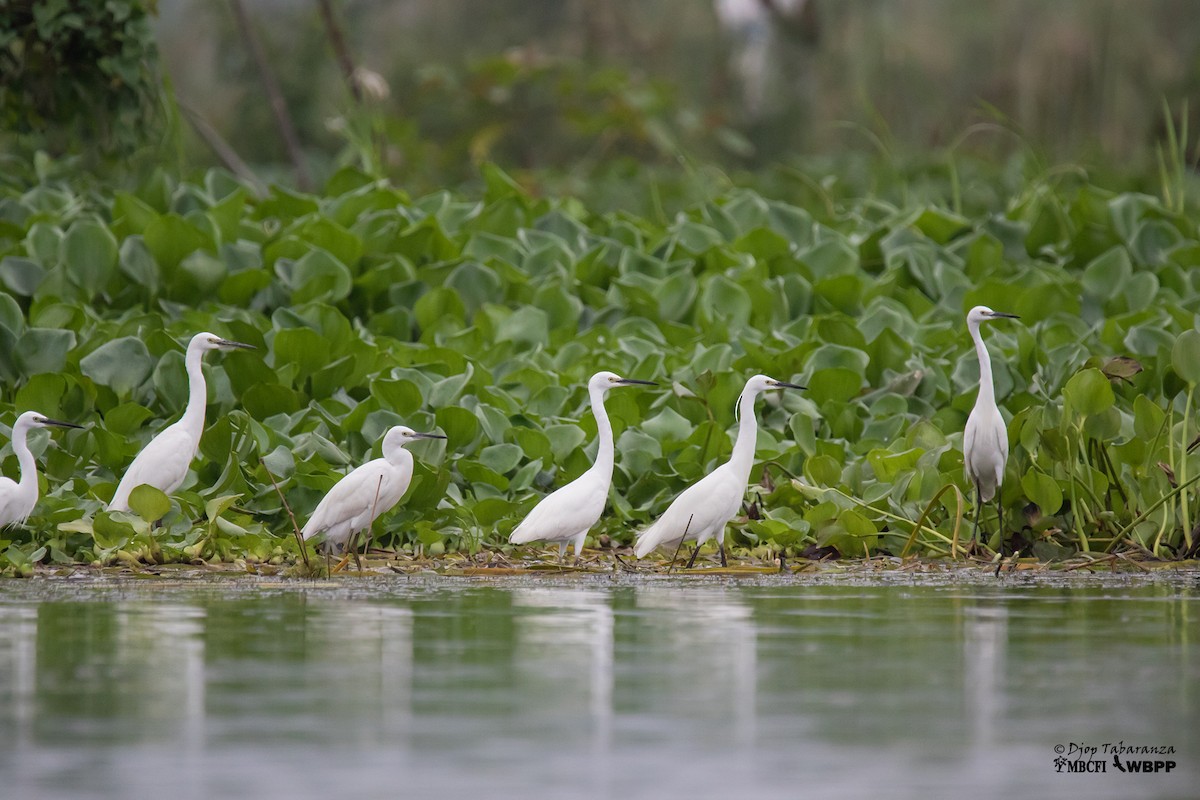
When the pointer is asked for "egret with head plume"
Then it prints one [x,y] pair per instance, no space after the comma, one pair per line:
[372,489]
[702,511]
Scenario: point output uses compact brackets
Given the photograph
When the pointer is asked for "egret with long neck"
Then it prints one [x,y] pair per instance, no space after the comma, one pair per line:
[164,462]
[567,514]
[18,498]
[703,510]
[985,439]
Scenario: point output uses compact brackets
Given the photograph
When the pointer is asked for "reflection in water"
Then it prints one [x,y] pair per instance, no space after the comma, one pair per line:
[985,630]
[665,689]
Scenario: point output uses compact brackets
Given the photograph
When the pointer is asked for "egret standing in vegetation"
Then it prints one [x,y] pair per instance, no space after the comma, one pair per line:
[568,513]
[164,462]
[705,507]
[985,440]
[18,499]
[358,499]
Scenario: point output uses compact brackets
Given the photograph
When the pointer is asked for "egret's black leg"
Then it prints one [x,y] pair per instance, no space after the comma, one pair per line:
[721,545]
[782,559]
[692,560]
[978,506]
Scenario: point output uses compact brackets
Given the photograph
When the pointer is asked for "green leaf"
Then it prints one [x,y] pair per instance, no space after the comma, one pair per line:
[170,238]
[122,364]
[1042,490]
[89,252]
[149,503]
[1185,356]
[1088,392]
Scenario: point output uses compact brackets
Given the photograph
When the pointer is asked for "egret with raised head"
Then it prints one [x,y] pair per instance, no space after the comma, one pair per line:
[985,439]
[17,499]
[703,510]
[568,513]
[372,489]
[164,462]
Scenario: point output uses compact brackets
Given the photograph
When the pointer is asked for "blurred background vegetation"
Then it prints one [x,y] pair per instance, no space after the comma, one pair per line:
[579,96]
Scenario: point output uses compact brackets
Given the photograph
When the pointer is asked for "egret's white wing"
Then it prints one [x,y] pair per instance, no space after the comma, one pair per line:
[163,464]
[375,486]
[566,512]
[701,510]
[8,497]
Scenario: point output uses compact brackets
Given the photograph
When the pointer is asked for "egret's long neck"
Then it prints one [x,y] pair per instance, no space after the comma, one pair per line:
[25,459]
[987,391]
[747,438]
[604,436]
[193,415]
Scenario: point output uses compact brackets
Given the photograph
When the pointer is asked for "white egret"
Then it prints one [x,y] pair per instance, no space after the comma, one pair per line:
[704,508]
[164,462]
[18,499]
[567,514]
[358,499]
[985,440]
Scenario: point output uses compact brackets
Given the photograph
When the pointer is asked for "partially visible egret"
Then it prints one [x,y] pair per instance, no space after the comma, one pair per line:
[164,462]
[358,499]
[567,514]
[18,499]
[704,508]
[985,440]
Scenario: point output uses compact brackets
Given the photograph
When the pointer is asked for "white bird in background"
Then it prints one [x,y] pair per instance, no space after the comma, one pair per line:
[704,508]
[359,499]
[568,513]
[985,440]
[164,462]
[18,499]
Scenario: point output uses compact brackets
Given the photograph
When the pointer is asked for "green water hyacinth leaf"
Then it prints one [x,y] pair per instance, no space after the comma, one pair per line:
[21,276]
[1185,356]
[170,238]
[1042,490]
[111,533]
[1088,392]
[89,252]
[149,503]
[122,364]
[44,350]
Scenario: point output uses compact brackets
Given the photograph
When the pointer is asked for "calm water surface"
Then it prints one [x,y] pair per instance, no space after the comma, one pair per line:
[592,688]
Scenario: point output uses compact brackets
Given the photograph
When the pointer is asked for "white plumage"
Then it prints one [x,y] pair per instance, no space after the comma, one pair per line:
[17,499]
[703,510]
[164,462]
[358,499]
[985,439]
[567,514]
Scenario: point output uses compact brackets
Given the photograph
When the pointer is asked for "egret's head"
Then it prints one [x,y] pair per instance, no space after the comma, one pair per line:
[32,419]
[210,341]
[400,435]
[761,383]
[980,314]
[603,381]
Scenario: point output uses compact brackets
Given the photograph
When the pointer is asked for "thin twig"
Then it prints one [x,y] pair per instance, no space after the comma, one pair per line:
[286,507]
[283,117]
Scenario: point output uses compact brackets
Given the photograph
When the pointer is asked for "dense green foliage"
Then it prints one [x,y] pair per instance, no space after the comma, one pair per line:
[483,317]
[77,75]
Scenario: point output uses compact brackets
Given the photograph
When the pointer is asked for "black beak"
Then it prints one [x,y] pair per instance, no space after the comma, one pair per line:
[58,423]
[241,345]
[428,436]
[634,382]
[782,385]
[1005,316]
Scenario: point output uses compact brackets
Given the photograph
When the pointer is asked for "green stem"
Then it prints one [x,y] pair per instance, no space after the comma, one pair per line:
[1166,498]
[1182,474]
